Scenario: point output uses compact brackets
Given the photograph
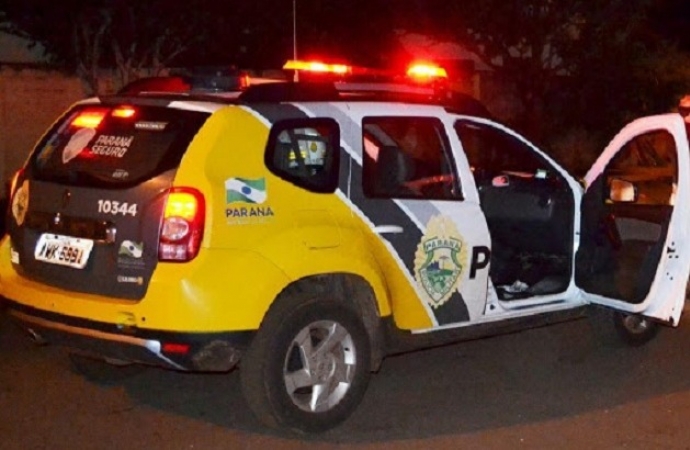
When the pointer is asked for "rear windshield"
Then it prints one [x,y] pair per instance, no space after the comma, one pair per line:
[114,146]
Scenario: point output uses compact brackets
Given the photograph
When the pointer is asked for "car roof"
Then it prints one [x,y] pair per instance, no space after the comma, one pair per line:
[178,88]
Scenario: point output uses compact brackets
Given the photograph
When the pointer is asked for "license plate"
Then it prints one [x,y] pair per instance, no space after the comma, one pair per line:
[63,250]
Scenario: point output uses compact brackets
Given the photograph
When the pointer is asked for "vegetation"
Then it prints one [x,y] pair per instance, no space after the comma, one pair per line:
[578,70]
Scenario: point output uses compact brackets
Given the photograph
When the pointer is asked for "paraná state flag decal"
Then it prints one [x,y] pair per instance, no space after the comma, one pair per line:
[245,190]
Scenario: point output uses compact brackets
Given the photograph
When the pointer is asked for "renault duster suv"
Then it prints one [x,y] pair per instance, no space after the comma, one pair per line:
[305,230]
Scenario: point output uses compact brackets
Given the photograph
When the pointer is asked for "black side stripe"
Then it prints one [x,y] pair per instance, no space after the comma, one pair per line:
[387,212]
[274,112]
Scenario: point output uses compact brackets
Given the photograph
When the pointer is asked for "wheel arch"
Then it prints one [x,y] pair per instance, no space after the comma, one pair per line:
[348,289]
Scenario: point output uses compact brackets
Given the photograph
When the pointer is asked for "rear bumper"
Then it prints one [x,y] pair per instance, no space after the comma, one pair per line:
[205,352]
[192,297]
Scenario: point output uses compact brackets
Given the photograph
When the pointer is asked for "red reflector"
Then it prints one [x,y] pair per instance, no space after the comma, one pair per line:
[174,348]
[123,112]
[89,118]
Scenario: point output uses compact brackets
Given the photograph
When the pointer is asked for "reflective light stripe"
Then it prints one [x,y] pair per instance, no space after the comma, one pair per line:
[152,346]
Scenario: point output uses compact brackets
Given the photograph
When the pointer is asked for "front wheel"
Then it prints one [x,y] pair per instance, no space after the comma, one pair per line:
[308,366]
[616,328]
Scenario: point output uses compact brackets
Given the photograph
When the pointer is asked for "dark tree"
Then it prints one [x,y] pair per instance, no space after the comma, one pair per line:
[128,36]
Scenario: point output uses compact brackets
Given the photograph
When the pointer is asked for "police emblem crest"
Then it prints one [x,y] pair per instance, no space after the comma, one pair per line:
[440,260]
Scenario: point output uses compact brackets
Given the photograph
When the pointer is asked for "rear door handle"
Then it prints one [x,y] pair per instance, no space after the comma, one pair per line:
[388,229]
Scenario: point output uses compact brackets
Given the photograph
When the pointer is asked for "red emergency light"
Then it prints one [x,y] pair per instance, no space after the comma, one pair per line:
[417,72]
[317,67]
[426,71]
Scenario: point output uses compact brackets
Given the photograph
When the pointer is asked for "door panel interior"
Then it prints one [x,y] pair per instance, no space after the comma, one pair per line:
[623,237]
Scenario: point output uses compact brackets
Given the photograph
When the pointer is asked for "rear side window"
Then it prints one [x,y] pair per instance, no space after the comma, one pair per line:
[114,146]
[306,153]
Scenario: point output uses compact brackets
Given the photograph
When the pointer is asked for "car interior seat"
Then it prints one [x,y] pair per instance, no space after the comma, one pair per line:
[393,169]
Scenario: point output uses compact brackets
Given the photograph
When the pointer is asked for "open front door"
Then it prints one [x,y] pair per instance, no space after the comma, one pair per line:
[634,252]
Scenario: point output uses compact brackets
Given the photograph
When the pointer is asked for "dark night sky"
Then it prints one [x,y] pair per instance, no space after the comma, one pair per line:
[672,21]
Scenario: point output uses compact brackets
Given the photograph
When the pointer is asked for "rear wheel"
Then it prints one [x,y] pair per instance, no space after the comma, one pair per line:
[308,366]
[617,328]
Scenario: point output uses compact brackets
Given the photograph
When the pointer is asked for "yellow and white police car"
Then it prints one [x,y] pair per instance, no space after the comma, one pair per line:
[302,231]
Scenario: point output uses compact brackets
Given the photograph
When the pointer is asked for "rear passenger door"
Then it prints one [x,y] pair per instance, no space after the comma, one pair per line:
[418,202]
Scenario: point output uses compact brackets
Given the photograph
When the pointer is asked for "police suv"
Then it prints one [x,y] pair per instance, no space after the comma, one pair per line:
[304,230]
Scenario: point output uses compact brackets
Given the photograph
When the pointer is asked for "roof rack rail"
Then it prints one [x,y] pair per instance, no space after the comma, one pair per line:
[200,80]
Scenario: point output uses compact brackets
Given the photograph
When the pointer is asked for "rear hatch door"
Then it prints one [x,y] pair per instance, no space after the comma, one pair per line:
[86,213]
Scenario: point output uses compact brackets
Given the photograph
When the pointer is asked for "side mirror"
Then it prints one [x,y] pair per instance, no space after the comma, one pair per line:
[622,191]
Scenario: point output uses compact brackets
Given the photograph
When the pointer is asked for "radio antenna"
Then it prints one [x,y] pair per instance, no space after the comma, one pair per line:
[294,37]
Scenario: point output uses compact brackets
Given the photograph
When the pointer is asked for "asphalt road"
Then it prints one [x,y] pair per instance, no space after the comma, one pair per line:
[547,388]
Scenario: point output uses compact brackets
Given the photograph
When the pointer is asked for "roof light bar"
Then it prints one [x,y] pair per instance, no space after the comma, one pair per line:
[317,66]
[418,71]
[426,70]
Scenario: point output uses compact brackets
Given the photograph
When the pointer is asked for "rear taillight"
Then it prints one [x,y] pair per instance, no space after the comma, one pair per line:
[183,225]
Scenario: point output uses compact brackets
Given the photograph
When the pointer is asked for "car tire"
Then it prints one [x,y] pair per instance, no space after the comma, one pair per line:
[101,371]
[616,329]
[285,368]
